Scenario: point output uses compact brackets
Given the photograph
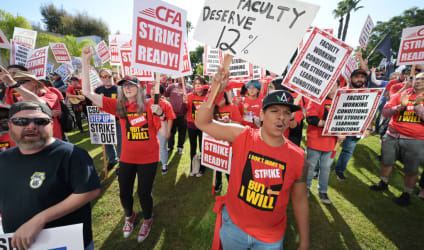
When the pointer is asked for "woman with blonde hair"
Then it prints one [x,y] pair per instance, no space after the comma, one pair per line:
[140,123]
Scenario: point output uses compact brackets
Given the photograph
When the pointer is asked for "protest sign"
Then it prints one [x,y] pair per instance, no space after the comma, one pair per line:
[115,41]
[212,59]
[18,53]
[24,37]
[352,111]
[60,53]
[308,33]
[94,78]
[158,36]
[97,60]
[366,32]
[37,62]
[248,29]
[240,69]
[57,238]
[102,126]
[350,66]
[317,66]
[128,69]
[216,154]
[411,49]
[186,65]
[4,43]
[258,72]
[49,68]
[76,63]
[103,51]
[64,71]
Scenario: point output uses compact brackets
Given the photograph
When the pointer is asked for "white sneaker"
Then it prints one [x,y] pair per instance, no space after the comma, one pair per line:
[180,151]
[129,225]
[200,174]
[144,230]
[191,174]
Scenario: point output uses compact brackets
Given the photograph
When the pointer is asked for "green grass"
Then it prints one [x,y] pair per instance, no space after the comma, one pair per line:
[183,217]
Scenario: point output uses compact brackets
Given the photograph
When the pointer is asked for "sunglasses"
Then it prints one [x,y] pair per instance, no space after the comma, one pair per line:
[106,77]
[127,85]
[23,121]
[20,82]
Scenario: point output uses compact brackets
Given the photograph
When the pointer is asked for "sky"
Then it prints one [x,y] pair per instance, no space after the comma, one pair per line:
[118,14]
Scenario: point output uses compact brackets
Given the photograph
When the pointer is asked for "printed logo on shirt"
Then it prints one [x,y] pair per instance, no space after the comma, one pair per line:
[37,179]
[4,146]
[408,115]
[194,107]
[139,128]
[262,181]
[223,116]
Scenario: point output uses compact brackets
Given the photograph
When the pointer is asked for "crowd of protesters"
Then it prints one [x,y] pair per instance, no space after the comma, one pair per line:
[253,117]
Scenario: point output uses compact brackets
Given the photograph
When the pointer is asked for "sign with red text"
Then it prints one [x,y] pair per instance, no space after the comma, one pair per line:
[308,33]
[4,43]
[352,111]
[350,66]
[128,69]
[102,126]
[115,41]
[37,62]
[258,72]
[56,238]
[186,65]
[317,66]
[94,78]
[212,59]
[103,51]
[216,154]
[411,49]
[262,33]
[158,37]
[18,53]
[366,32]
[25,37]
[60,53]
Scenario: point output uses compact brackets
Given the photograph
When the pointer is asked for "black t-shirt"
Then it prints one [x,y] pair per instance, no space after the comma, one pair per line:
[2,92]
[108,92]
[32,183]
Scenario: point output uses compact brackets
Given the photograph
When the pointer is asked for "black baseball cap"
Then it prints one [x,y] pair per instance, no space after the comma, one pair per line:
[130,79]
[74,78]
[279,97]
[29,105]
[358,72]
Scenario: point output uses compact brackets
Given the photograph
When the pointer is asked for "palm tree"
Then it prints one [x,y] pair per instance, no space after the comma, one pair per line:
[350,5]
[339,13]
[74,47]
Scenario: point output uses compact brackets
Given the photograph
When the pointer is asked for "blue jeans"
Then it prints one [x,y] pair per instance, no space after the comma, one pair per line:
[90,246]
[112,154]
[232,237]
[163,149]
[348,145]
[323,160]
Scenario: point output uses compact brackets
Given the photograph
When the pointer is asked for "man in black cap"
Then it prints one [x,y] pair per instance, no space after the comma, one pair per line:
[59,83]
[268,167]
[44,182]
[358,79]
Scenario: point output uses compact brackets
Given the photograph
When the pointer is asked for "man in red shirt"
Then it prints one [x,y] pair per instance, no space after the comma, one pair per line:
[404,139]
[268,167]
[5,140]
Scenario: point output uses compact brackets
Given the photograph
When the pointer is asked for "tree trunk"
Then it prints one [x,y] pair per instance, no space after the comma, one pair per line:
[339,33]
[346,26]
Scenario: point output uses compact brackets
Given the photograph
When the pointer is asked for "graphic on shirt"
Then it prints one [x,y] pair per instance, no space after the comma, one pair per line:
[37,179]
[194,107]
[4,146]
[408,115]
[138,129]
[262,180]
[223,116]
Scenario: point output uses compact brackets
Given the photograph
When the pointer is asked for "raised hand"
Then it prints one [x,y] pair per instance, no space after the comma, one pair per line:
[87,52]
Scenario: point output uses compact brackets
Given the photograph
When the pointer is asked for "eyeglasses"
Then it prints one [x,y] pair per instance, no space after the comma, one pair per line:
[23,121]
[106,77]
[20,82]
[420,78]
[127,85]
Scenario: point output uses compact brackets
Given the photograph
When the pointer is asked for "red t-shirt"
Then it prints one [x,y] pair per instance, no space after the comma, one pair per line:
[57,92]
[140,144]
[315,139]
[249,110]
[257,170]
[75,90]
[229,111]
[193,103]
[52,101]
[407,122]
[390,84]
[6,142]
[395,88]
[166,107]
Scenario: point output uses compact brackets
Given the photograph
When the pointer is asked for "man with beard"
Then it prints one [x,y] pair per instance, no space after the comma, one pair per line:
[109,89]
[358,79]
[404,139]
[44,182]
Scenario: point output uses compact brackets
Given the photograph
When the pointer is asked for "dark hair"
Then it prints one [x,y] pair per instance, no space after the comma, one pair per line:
[201,79]
[277,83]
[161,89]
[46,83]
[17,66]
[243,90]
